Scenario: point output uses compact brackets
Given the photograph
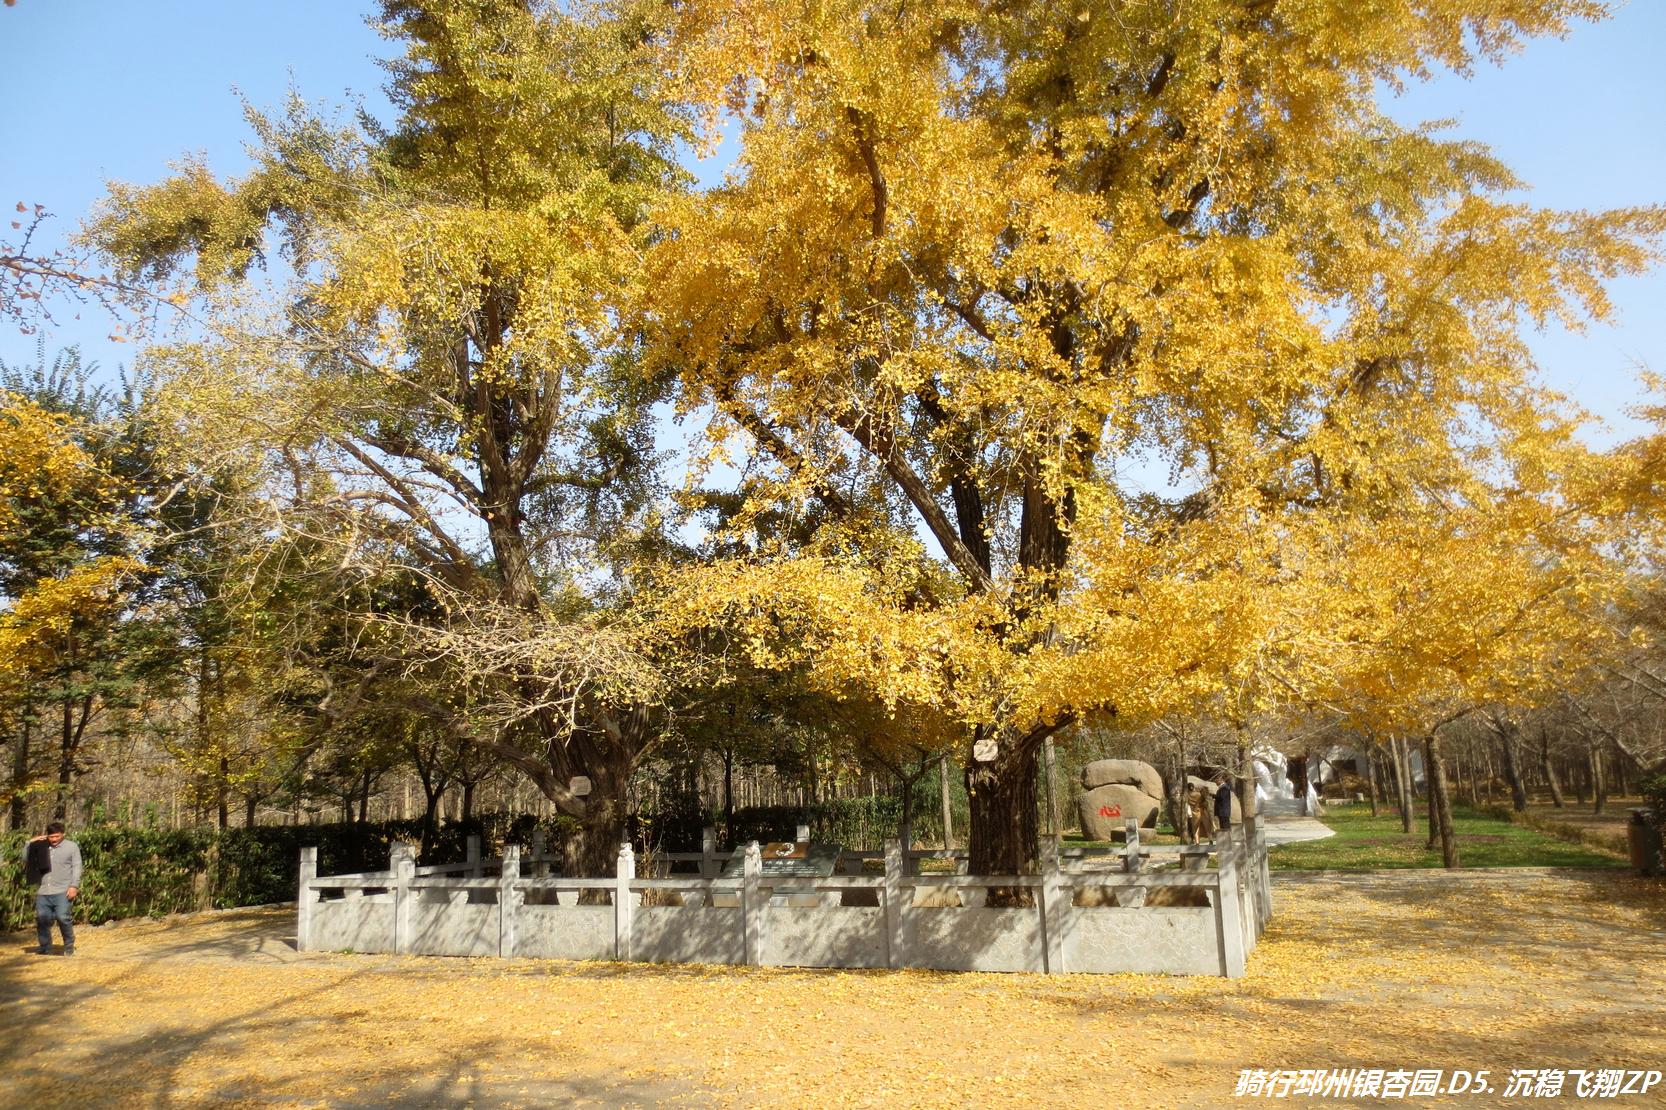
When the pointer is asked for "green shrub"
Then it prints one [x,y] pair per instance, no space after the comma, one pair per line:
[145,871]
[127,872]
[863,824]
[1654,796]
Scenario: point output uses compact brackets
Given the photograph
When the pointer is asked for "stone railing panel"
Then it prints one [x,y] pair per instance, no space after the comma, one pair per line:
[1078,920]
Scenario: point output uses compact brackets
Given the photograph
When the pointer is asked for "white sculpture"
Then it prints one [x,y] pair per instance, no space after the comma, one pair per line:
[1271,781]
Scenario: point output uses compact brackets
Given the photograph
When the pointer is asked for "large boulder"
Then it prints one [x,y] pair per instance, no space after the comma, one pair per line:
[1209,789]
[1129,772]
[1105,809]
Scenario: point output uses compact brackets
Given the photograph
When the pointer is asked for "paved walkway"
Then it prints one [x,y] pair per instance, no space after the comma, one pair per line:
[1293,830]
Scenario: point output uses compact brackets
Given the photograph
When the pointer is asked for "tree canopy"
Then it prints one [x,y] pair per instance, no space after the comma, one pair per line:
[1048,367]
[979,270]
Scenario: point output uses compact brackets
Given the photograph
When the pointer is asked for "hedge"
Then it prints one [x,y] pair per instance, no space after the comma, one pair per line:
[144,871]
[134,871]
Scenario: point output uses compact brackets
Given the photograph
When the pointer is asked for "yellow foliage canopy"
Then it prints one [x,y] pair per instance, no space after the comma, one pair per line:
[985,267]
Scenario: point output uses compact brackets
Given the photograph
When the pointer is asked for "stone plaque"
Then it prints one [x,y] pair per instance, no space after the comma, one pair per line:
[801,860]
[580,786]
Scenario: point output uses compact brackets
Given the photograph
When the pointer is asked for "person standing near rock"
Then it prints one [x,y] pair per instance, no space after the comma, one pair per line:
[55,863]
[1223,803]
[1197,803]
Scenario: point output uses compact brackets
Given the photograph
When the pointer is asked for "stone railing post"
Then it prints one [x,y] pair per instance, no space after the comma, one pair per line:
[473,857]
[624,909]
[1229,915]
[1263,872]
[895,872]
[752,904]
[305,899]
[1132,861]
[1057,909]
[1249,880]
[402,862]
[708,853]
[508,900]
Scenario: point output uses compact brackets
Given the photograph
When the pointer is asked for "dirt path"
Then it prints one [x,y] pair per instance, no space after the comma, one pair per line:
[1494,970]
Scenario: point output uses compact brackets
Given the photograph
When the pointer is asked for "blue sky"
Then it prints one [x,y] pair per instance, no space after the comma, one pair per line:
[96,89]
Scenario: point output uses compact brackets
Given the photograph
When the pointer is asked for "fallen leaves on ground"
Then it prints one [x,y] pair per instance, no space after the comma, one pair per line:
[1471,970]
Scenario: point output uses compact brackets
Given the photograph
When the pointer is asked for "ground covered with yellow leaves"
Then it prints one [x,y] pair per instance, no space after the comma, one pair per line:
[1470,970]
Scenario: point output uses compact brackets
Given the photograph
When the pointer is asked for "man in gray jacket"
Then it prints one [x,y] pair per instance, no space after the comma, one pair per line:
[60,882]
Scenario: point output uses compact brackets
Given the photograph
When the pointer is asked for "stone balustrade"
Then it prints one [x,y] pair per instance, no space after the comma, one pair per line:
[1116,918]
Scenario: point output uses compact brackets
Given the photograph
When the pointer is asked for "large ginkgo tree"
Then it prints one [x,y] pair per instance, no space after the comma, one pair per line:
[1069,312]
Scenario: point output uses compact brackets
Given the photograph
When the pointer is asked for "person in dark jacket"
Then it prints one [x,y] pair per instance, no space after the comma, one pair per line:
[1223,803]
[58,871]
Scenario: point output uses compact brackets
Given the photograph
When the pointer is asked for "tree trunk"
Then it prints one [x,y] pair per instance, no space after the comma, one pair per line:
[1402,772]
[66,763]
[1003,831]
[1390,772]
[905,824]
[1512,771]
[468,800]
[591,850]
[948,810]
[19,815]
[1599,786]
[1429,795]
[1052,791]
[222,790]
[1373,770]
[815,770]
[1179,812]
[249,804]
[1246,787]
[1441,801]
[729,796]
[1549,766]
[430,814]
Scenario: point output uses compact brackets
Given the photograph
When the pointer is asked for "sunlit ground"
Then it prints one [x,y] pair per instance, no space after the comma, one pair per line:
[1411,970]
